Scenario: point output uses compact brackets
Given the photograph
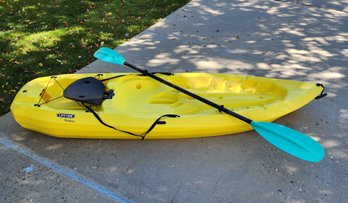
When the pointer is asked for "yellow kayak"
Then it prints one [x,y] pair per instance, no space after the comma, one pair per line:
[133,106]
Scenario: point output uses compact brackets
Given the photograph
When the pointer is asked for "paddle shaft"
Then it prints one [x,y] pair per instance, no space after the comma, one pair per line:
[206,101]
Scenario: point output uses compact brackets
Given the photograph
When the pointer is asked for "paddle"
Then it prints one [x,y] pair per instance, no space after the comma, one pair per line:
[286,139]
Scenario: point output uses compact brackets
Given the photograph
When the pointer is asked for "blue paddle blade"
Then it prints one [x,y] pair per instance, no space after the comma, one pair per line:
[290,141]
[109,55]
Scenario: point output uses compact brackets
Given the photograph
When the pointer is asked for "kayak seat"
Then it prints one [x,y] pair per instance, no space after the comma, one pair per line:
[88,90]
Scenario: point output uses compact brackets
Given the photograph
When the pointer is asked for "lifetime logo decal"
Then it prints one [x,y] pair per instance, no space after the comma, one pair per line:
[65,115]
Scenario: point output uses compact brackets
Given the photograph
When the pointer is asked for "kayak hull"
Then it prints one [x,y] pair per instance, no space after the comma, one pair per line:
[139,100]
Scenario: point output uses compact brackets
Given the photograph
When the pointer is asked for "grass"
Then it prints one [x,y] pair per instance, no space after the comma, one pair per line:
[39,37]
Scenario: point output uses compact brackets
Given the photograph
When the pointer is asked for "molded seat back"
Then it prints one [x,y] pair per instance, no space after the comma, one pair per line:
[88,90]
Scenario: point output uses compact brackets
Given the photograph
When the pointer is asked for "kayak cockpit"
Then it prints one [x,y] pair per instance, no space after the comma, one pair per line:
[146,96]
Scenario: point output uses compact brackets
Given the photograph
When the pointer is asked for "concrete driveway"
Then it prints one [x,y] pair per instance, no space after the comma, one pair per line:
[306,41]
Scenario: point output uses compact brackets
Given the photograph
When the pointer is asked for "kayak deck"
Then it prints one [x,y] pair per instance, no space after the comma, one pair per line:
[140,100]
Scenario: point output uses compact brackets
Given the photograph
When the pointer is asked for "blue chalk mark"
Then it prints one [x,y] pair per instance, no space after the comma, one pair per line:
[65,171]
[29,169]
